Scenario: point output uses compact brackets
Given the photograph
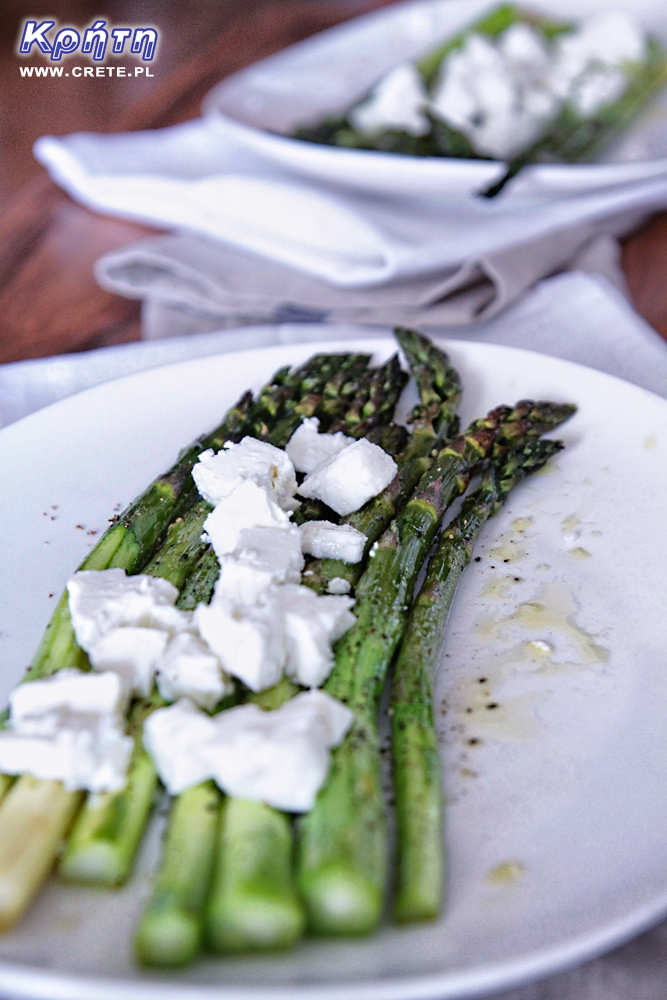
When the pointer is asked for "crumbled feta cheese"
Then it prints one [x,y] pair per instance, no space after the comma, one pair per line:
[396,102]
[311,624]
[503,93]
[69,728]
[338,585]
[589,63]
[524,46]
[132,653]
[248,506]
[346,481]
[279,757]
[246,638]
[263,557]
[101,600]
[169,619]
[178,739]
[189,669]
[88,758]
[33,707]
[597,87]
[218,475]
[612,38]
[307,448]
[496,93]
[326,540]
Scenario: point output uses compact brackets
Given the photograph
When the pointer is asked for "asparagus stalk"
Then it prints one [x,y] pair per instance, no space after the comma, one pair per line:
[415,757]
[253,904]
[342,852]
[5,783]
[108,829]
[34,817]
[432,420]
[170,930]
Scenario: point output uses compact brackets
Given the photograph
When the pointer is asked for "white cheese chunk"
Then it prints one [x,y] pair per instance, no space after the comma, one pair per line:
[326,540]
[168,619]
[596,88]
[178,739]
[338,585]
[132,653]
[34,707]
[263,557]
[611,38]
[88,758]
[396,102]
[348,480]
[311,623]
[279,757]
[248,506]
[218,475]
[101,600]
[307,448]
[248,639]
[589,65]
[69,728]
[497,93]
[189,669]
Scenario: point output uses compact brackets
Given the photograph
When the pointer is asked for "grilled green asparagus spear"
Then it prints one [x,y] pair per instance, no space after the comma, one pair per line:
[170,930]
[35,816]
[432,420]
[415,757]
[342,853]
[253,904]
[5,782]
[108,829]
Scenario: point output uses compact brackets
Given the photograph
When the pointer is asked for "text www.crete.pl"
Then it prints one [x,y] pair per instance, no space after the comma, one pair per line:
[86,71]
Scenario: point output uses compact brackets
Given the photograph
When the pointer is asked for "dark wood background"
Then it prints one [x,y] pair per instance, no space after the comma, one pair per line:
[49,302]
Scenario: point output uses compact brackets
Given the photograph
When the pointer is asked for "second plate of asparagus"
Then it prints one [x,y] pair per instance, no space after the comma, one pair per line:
[328,757]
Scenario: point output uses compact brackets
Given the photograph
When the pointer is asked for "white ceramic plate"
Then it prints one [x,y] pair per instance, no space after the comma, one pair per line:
[557,818]
[327,73]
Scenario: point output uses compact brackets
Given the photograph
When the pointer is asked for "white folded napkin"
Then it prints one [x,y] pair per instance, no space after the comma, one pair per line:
[194,177]
[189,283]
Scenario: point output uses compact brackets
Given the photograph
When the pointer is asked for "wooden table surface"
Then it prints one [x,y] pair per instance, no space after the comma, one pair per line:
[49,302]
